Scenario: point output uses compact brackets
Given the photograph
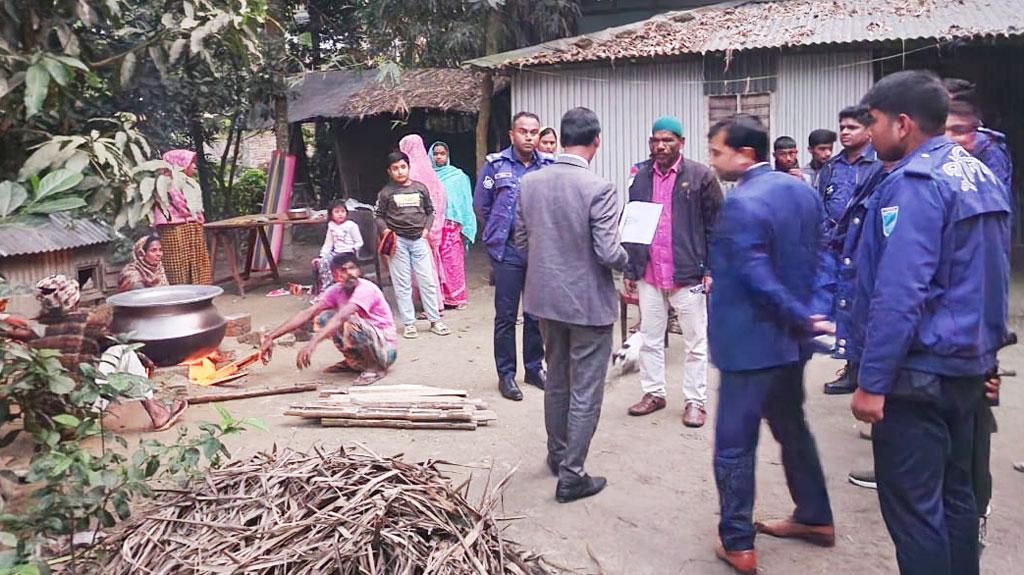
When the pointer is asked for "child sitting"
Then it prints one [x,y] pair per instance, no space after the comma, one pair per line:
[342,237]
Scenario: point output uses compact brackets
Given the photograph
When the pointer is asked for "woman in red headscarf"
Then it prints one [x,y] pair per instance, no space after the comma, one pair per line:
[180,226]
[421,169]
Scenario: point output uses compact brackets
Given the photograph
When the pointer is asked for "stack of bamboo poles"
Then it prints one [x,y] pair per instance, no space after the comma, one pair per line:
[346,512]
[396,406]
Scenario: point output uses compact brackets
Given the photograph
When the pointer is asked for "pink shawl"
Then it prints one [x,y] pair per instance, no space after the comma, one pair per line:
[421,169]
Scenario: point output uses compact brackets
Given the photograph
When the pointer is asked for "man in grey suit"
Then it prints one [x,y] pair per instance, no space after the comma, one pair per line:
[567,222]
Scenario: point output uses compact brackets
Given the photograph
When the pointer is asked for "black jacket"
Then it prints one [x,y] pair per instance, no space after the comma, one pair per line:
[696,199]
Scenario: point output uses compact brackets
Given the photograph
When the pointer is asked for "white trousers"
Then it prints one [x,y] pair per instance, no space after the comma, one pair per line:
[692,309]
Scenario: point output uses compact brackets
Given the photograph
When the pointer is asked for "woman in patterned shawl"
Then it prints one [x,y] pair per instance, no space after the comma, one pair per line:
[146,268]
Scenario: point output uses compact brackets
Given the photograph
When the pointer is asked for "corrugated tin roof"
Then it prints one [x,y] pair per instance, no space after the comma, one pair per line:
[750,24]
[48,234]
[359,93]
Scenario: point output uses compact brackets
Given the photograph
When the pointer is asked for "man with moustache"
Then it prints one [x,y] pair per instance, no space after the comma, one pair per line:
[673,271]
[495,200]
[355,315]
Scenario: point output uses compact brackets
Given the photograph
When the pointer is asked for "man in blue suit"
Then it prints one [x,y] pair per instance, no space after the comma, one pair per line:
[763,257]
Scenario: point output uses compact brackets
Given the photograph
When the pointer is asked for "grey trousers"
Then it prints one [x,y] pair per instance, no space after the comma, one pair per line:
[577,358]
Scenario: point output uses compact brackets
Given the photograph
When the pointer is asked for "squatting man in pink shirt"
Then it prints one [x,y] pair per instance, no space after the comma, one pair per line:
[355,315]
[673,270]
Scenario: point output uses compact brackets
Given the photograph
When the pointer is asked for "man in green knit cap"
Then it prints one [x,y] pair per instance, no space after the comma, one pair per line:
[672,271]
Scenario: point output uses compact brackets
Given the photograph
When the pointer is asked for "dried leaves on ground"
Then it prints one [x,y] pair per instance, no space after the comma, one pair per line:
[347,512]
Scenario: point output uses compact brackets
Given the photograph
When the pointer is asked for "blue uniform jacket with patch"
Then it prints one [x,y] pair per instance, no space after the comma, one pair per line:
[933,269]
[838,182]
[844,243]
[990,148]
[764,252]
[496,196]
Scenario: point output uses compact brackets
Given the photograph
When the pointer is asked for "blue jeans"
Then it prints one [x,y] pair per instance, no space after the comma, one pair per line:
[744,397]
[509,279]
[923,451]
[414,257]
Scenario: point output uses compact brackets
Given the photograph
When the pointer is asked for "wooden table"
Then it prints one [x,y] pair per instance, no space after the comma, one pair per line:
[222,234]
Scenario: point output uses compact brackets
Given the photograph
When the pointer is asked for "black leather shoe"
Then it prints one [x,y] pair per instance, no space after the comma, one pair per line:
[508,388]
[842,384]
[537,379]
[583,487]
[552,465]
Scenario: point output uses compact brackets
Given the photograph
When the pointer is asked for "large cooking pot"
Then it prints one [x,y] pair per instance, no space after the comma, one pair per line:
[177,323]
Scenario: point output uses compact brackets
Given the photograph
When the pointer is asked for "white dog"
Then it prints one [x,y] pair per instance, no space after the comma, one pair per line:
[629,354]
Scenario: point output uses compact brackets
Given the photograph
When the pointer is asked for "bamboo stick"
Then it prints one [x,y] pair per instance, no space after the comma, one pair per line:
[402,414]
[255,392]
[397,424]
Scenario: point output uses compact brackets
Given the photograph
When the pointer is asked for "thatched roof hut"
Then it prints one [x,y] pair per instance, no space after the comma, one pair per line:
[367,112]
[361,93]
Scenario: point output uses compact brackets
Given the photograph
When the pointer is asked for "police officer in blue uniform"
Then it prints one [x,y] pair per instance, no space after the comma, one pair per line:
[495,199]
[763,254]
[964,127]
[930,313]
[839,181]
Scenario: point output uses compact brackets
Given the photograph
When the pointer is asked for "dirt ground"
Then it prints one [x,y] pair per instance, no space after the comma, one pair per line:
[659,512]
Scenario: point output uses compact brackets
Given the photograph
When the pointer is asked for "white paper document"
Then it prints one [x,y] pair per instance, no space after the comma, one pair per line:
[639,222]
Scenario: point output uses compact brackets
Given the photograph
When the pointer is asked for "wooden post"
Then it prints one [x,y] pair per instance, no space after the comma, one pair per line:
[483,118]
[274,28]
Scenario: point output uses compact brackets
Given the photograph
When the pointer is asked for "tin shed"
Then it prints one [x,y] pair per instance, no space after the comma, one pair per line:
[56,244]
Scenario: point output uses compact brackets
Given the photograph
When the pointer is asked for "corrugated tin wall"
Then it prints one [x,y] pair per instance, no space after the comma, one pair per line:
[22,273]
[627,99]
[811,90]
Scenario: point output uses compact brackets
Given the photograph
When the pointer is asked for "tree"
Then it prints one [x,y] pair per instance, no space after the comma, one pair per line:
[68,72]
[432,33]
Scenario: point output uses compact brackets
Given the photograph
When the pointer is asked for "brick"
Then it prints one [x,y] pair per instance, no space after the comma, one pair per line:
[239,324]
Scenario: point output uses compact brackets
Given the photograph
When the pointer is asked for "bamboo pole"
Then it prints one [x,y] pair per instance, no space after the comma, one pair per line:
[255,392]
[397,424]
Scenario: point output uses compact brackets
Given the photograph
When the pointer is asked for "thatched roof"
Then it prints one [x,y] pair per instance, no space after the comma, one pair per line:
[757,24]
[360,93]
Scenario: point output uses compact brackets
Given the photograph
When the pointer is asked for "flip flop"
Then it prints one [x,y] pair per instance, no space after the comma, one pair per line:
[367,378]
[340,367]
[175,416]
[439,328]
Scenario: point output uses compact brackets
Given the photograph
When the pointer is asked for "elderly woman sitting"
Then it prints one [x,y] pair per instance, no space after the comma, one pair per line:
[80,336]
[147,266]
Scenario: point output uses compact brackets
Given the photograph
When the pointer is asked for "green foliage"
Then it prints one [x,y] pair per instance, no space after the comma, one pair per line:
[78,488]
[76,75]
[432,32]
[244,195]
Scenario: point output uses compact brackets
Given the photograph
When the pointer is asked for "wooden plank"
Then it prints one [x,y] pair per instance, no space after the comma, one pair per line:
[402,414]
[485,415]
[424,402]
[397,424]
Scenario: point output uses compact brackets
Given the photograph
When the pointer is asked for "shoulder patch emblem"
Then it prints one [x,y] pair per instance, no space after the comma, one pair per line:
[488,182]
[967,168]
[889,216]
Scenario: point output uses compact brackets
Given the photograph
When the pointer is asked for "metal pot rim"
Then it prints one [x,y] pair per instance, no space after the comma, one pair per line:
[164,296]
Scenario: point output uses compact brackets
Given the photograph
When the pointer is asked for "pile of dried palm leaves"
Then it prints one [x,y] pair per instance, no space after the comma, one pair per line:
[342,512]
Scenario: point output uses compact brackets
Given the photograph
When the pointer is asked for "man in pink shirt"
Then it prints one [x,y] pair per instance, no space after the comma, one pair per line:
[672,271]
[355,315]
